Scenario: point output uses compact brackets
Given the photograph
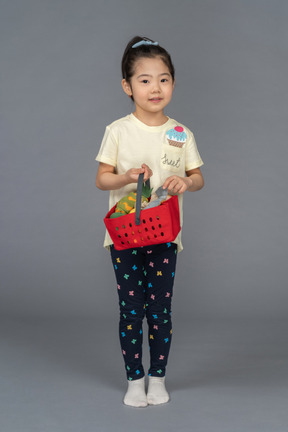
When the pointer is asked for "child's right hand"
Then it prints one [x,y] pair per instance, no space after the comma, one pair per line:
[133,173]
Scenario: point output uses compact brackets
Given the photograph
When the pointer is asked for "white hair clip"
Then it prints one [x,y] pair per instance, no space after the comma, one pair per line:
[144,42]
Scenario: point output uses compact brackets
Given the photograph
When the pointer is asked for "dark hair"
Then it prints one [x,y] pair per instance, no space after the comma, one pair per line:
[131,55]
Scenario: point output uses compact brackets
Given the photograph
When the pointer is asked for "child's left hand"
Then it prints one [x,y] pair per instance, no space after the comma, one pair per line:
[177,184]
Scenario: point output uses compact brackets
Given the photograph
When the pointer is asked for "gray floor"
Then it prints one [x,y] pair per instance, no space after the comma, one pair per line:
[67,375]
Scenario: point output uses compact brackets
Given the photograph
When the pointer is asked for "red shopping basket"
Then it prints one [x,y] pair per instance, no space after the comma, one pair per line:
[159,224]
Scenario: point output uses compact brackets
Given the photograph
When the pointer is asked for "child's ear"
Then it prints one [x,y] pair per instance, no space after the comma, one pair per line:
[126,87]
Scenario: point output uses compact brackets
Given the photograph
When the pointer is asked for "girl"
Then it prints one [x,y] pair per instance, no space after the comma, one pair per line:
[147,141]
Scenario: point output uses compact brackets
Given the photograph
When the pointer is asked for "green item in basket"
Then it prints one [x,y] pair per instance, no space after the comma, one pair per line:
[128,202]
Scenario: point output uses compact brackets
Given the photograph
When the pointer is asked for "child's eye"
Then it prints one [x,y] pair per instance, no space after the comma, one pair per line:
[145,81]
[164,80]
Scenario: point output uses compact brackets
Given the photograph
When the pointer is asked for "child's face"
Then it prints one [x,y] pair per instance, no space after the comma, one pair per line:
[151,86]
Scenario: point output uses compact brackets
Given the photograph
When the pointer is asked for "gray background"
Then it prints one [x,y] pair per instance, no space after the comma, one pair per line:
[60,87]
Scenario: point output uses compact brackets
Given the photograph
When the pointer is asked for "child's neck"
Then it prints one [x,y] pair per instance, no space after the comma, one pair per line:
[151,119]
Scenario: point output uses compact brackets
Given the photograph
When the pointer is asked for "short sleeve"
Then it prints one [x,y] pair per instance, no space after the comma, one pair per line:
[109,149]
[192,157]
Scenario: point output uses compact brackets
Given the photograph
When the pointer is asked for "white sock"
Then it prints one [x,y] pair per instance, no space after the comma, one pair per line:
[136,395]
[157,393]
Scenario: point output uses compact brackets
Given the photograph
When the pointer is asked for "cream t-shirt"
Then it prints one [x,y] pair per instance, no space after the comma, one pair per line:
[128,143]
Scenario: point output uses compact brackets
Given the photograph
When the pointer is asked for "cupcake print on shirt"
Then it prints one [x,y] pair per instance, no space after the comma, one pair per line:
[173,153]
[176,136]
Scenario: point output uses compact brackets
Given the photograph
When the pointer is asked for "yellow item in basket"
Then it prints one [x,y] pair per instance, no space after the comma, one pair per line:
[128,203]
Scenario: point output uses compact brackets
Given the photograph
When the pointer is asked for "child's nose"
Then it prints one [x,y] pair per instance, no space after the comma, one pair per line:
[156,87]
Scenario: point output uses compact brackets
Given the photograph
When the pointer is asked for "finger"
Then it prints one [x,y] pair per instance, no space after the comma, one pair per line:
[172,184]
[145,169]
[145,166]
[167,182]
[181,187]
[137,170]
[178,187]
[146,174]
[147,177]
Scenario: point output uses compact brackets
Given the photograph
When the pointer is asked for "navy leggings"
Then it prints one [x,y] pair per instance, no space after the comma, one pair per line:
[145,278]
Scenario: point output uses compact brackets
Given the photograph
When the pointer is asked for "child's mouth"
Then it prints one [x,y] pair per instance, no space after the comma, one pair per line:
[155,99]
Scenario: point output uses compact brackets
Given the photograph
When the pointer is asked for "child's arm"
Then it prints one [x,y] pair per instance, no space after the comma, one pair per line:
[193,182]
[107,179]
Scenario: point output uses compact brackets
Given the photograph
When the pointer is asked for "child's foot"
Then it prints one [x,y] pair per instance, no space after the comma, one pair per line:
[135,395]
[157,393]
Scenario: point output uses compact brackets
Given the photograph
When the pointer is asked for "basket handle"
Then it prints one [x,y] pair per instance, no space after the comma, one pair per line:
[139,196]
